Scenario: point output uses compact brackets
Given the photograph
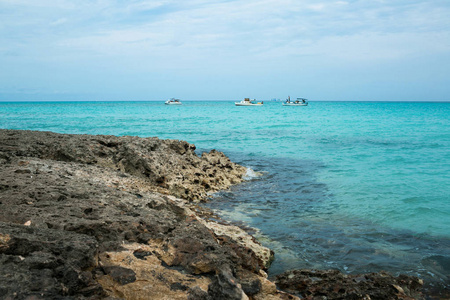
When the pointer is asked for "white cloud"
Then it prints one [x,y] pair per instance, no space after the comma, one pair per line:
[316,7]
[215,24]
[235,35]
[58,22]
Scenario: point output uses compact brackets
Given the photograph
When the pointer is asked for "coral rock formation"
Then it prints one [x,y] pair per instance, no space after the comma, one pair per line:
[89,217]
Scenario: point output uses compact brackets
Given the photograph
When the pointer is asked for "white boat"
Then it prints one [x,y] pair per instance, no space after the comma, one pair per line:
[173,101]
[248,102]
[298,102]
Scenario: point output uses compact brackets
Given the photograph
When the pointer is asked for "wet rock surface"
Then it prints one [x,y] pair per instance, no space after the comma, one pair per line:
[104,217]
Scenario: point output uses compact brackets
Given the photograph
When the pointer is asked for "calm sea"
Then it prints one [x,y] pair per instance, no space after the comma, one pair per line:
[354,186]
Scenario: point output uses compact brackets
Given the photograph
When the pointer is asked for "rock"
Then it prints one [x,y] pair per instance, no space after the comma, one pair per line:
[314,284]
[99,216]
[120,274]
[224,287]
[197,293]
[260,256]
[45,263]
[251,284]
[171,165]
[153,279]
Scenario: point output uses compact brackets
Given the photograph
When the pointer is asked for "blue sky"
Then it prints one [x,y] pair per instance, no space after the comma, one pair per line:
[230,49]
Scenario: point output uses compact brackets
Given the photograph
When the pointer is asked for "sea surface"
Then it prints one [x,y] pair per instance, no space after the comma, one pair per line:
[354,186]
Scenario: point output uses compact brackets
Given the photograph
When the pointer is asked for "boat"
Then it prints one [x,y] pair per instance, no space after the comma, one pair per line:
[173,101]
[298,102]
[248,102]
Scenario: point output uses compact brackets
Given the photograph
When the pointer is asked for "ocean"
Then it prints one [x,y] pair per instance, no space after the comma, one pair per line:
[353,186]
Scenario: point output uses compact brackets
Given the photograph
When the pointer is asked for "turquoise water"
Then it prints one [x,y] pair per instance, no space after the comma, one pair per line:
[349,185]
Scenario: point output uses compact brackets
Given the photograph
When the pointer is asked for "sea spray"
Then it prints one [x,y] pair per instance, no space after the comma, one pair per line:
[250,174]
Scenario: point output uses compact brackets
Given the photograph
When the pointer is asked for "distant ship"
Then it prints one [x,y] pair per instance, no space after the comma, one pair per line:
[173,101]
[248,102]
[298,102]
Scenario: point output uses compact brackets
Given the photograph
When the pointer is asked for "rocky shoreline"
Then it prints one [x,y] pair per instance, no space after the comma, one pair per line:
[105,217]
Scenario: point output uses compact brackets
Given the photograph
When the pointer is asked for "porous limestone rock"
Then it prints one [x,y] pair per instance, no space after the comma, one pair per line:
[89,217]
[168,165]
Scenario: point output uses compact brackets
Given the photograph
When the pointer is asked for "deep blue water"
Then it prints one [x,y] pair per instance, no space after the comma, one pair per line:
[355,186]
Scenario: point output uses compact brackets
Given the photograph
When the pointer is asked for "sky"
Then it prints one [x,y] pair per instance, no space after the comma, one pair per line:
[371,50]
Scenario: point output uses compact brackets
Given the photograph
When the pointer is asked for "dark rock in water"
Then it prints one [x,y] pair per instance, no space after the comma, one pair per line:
[315,284]
[439,264]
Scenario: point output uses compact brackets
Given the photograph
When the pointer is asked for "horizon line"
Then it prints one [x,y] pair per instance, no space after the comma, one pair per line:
[221,100]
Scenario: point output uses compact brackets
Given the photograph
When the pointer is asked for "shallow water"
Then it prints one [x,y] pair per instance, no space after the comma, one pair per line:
[348,185]
[300,219]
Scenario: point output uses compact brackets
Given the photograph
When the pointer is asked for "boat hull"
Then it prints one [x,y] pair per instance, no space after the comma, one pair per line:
[248,104]
[295,104]
[173,103]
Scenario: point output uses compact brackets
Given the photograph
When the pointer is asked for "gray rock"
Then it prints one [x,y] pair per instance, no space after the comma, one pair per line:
[315,284]
[83,195]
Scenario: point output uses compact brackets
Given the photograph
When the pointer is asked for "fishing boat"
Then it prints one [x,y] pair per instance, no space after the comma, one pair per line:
[248,102]
[173,101]
[298,102]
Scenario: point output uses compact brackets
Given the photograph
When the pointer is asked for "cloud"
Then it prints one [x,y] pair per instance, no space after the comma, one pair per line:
[200,35]
[316,7]
[58,22]
[234,24]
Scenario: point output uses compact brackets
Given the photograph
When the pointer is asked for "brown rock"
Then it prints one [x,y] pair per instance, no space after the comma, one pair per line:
[101,222]
[168,164]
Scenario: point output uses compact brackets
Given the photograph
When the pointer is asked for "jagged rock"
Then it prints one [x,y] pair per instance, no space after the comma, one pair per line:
[224,287]
[170,165]
[314,284]
[104,221]
[46,263]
